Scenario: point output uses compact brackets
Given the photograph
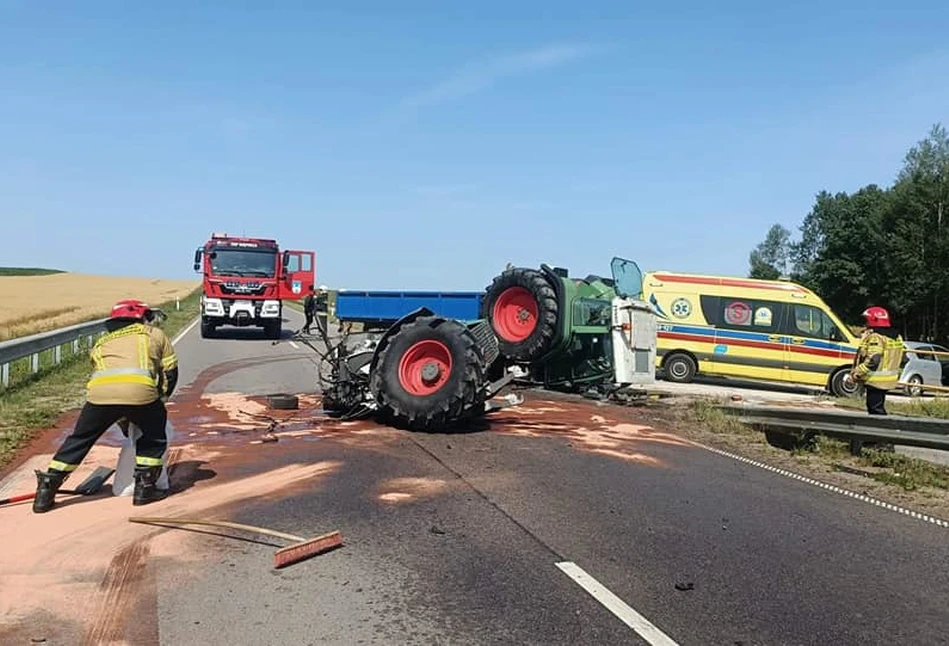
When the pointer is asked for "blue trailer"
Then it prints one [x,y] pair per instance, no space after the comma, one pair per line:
[383,308]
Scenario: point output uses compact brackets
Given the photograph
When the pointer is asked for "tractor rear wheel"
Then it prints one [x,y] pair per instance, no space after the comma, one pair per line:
[521,306]
[429,375]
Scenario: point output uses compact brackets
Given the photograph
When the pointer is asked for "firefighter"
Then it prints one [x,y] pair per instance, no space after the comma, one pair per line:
[877,365]
[134,367]
[309,309]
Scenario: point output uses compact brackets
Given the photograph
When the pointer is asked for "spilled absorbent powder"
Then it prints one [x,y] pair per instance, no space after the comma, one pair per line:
[623,441]
[55,562]
[407,489]
[239,411]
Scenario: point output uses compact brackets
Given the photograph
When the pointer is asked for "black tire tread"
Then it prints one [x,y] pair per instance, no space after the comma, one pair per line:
[465,399]
[539,342]
[693,367]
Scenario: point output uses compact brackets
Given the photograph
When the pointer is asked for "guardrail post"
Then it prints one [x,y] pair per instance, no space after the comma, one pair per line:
[57,354]
[5,374]
[35,362]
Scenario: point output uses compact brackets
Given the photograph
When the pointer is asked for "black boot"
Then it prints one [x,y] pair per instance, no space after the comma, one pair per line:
[145,489]
[47,484]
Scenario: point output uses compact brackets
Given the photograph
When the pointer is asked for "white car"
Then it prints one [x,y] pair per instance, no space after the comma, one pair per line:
[920,367]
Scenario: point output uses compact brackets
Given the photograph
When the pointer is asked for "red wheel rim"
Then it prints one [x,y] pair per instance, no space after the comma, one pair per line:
[515,314]
[425,367]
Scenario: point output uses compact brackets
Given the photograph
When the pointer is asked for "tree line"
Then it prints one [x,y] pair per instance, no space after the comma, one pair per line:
[876,246]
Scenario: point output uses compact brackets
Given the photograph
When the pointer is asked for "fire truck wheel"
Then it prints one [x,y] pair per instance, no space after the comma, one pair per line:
[429,376]
[272,330]
[521,306]
[207,329]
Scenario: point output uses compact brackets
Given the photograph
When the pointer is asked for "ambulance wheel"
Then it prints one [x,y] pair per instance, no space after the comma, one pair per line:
[521,307]
[679,368]
[842,385]
[429,375]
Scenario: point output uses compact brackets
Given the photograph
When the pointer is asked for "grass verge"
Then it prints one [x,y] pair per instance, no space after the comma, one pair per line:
[36,403]
[937,407]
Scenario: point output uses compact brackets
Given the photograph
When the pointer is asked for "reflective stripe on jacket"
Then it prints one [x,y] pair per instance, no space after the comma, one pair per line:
[878,361]
[129,365]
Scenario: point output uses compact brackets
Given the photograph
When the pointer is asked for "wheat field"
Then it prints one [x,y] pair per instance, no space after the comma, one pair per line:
[31,304]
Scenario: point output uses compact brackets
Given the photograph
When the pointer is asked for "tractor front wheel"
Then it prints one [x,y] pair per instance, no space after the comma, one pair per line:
[429,375]
[521,306]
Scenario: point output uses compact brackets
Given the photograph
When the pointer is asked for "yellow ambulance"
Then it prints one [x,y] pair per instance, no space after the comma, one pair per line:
[748,329]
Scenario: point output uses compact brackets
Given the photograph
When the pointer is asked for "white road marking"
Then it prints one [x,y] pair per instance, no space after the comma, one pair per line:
[617,606]
[293,343]
[185,331]
[829,487]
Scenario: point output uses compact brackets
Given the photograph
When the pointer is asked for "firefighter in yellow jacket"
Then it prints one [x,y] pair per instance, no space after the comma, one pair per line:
[877,365]
[134,367]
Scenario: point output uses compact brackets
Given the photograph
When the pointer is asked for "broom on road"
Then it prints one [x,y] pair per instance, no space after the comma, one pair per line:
[302,548]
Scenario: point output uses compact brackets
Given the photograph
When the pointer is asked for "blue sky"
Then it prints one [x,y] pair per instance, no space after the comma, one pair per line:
[424,145]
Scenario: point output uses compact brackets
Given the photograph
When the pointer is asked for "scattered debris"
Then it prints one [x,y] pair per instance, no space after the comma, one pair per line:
[685,586]
[283,401]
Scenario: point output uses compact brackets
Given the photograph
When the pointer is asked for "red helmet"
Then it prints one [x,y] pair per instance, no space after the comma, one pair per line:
[877,317]
[130,309]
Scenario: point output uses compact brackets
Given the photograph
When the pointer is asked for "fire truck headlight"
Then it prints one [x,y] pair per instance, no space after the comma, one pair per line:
[213,307]
[270,308]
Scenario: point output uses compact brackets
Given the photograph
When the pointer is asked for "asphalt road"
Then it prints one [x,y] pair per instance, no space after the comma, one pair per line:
[465,549]
[561,522]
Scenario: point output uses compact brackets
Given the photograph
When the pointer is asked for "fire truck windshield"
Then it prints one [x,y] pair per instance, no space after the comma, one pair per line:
[244,262]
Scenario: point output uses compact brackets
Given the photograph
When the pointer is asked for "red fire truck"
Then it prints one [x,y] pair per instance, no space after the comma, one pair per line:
[246,281]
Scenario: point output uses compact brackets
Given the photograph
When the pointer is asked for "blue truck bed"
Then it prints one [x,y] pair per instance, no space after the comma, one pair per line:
[386,307]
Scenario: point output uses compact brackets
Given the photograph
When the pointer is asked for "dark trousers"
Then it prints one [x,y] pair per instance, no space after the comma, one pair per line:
[876,405]
[309,321]
[95,419]
[876,401]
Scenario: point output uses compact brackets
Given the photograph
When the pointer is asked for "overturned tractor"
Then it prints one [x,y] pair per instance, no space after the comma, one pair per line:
[540,328]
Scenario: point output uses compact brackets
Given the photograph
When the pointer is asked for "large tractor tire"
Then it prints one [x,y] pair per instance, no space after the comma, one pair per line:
[429,376]
[521,306]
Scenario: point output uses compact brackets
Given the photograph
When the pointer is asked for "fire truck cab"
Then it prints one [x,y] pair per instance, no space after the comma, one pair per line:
[245,281]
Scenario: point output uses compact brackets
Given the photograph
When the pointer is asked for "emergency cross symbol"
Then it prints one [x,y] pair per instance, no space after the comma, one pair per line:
[681,308]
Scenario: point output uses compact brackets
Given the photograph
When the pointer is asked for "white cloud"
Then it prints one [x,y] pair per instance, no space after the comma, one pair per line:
[480,76]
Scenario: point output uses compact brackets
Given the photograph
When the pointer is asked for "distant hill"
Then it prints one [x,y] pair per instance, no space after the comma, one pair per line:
[28,271]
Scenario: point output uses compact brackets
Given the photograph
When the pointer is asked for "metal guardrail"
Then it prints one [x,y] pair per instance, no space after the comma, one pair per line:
[31,346]
[923,432]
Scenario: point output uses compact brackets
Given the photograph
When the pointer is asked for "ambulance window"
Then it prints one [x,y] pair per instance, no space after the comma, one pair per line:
[738,313]
[711,308]
[749,314]
[811,322]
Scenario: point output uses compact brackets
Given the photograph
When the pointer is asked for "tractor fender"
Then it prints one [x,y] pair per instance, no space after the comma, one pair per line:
[384,340]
